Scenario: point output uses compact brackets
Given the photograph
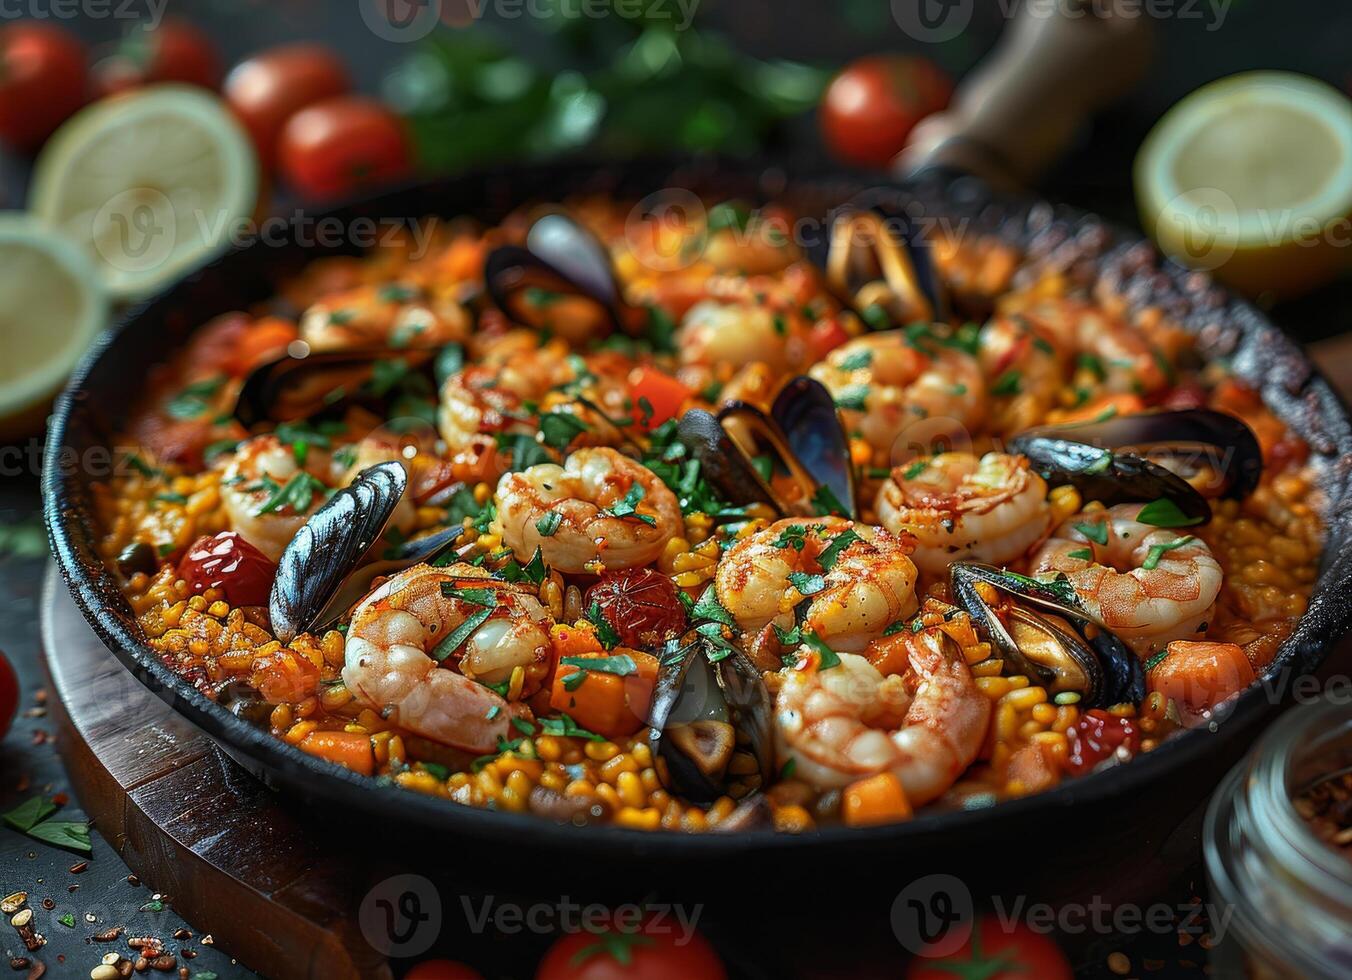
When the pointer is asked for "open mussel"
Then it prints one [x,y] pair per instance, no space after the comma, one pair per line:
[560,263]
[328,566]
[710,721]
[1214,451]
[1184,456]
[1061,646]
[302,384]
[880,263]
[795,458]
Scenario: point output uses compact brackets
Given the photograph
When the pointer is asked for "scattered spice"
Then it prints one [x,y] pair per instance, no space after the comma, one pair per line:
[1326,807]
[78,867]
[1119,964]
[108,935]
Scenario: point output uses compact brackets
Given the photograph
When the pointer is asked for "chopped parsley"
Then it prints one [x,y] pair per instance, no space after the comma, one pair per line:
[1009,383]
[455,639]
[794,536]
[604,631]
[298,493]
[858,360]
[193,401]
[827,656]
[558,429]
[534,571]
[827,559]
[1165,513]
[565,727]
[825,502]
[852,398]
[1152,559]
[627,506]
[1082,553]
[709,609]
[876,316]
[807,584]
[548,524]
[1097,533]
[915,469]
[395,292]
[525,451]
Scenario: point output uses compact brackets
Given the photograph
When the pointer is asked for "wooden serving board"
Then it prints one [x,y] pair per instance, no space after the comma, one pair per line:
[236,860]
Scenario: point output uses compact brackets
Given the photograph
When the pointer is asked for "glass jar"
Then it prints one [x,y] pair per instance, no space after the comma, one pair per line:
[1281,899]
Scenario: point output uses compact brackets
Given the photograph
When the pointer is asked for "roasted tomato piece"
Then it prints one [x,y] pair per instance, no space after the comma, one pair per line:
[640,604]
[227,562]
[1096,736]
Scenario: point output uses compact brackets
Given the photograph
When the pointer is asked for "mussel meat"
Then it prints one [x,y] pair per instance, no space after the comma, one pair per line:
[1062,648]
[880,264]
[749,455]
[711,721]
[303,384]
[560,258]
[327,567]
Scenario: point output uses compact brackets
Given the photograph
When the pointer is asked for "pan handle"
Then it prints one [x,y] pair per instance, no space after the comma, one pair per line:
[1057,63]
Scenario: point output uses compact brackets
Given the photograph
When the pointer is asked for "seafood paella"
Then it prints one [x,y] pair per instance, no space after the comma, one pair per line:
[676,524]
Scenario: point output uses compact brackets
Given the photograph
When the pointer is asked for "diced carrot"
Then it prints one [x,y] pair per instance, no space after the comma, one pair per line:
[606,703]
[1199,675]
[1110,405]
[878,799]
[350,749]
[664,393]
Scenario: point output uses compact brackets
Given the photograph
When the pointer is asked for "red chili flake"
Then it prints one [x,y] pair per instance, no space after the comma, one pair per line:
[1095,737]
[78,867]
[640,604]
[61,799]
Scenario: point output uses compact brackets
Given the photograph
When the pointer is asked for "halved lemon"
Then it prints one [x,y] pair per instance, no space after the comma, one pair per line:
[1250,177]
[150,184]
[51,308]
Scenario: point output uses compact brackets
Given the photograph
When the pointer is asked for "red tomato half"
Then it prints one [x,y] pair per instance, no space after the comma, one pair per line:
[996,951]
[175,51]
[871,107]
[654,952]
[9,694]
[271,87]
[42,81]
[339,146]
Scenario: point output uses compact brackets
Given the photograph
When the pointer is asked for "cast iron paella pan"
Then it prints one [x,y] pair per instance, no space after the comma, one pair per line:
[1085,834]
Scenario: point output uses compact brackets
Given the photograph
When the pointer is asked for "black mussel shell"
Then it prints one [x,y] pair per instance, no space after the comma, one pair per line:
[722,463]
[1066,651]
[1181,441]
[1107,475]
[880,260]
[290,389]
[560,256]
[706,714]
[330,546]
[808,417]
[801,436]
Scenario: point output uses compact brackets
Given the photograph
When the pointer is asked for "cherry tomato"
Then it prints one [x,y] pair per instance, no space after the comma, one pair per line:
[654,951]
[9,694]
[826,336]
[268,89]
[871,106]
[640,604]
[336,147]
[442,970]
[226,561]
[42,81]
[996,951]
[175,51]
[1096,736]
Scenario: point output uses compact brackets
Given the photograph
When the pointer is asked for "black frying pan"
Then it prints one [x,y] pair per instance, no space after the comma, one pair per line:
[1108,833]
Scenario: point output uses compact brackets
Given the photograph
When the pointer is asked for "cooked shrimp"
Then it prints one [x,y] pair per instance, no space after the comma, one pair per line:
[600,508]
[492,395]
[992,508]
[743,319]
[391,314]
[1147,584]
[855,590]
[886,384]
[268,493]
[848,722]
[1027,351]
[393,662]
